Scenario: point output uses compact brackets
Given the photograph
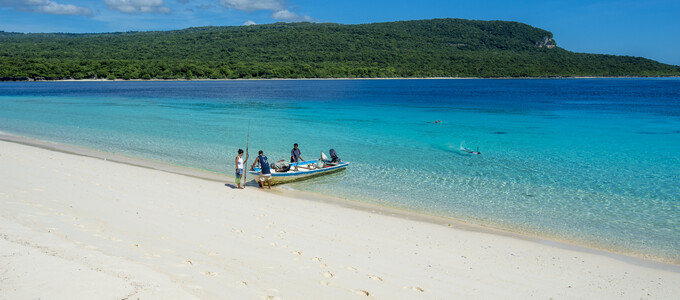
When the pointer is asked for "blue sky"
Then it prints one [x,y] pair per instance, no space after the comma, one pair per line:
[638,28]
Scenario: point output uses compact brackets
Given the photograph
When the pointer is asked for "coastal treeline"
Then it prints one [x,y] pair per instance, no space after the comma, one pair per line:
[425,48]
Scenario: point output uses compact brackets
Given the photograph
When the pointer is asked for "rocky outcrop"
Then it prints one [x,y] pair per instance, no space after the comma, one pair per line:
[547,42]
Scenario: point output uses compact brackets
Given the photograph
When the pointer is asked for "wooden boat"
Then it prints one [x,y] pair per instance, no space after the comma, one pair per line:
[305,170]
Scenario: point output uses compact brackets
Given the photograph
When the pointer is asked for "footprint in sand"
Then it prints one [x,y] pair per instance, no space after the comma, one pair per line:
[213,274]
[375,278]
[243,283]
[351,268]
[362,292]
[324,283]
[415,288]
[297,252]
[319,259]
[327,274]
[323,266]
[237,230]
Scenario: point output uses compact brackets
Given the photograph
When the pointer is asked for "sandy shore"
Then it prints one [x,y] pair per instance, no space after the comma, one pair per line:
[81,227]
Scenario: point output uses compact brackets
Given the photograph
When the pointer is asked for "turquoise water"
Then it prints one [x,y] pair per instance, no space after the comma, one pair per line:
[593,161]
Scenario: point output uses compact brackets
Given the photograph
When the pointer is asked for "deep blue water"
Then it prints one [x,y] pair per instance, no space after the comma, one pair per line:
[594,161]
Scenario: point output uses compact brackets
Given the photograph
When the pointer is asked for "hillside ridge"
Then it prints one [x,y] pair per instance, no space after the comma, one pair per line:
[419,48]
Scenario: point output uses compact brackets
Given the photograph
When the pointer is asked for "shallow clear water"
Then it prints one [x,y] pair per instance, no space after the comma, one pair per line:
[590,160]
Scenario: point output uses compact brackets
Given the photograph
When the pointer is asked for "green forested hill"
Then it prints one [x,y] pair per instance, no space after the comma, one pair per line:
[425,48]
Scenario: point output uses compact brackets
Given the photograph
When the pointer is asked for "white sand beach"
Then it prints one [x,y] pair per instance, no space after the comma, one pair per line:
[80,227]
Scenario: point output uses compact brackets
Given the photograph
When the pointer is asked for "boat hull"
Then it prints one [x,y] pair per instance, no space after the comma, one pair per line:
[303,172]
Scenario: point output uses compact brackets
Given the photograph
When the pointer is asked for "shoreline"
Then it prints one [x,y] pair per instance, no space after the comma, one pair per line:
[133,231]
[639,259]
[342,78]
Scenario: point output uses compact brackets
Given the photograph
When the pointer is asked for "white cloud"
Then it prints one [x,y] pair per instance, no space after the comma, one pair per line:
[138,6]
[249,22]
[253,5]
[278,8]
[46,7]
[286,15]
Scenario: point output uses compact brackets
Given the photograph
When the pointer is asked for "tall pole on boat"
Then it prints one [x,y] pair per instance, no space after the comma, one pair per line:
[245,170]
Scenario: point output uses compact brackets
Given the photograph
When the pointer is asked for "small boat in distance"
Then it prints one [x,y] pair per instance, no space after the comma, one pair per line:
[305,170]
[468,150]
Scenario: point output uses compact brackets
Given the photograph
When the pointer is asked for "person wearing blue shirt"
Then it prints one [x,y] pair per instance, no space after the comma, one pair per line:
[295,155]
[265,171]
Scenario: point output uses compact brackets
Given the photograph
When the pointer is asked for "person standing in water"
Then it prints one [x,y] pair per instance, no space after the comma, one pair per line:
[265,171]
[239,168]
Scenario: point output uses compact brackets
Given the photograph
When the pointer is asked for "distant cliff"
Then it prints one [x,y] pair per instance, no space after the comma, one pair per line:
[423,48]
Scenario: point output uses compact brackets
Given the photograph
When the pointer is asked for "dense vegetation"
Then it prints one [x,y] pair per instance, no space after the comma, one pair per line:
[426,48]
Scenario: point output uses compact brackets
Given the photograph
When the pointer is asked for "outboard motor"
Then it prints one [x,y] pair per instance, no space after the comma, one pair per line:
[334,156]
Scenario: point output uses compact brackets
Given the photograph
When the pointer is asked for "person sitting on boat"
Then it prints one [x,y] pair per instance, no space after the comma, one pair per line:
[281,166]
[334,156]
[295,155]
[239,168]
[265,171]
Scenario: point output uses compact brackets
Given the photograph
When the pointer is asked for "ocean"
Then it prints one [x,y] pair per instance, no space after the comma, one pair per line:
[593,162]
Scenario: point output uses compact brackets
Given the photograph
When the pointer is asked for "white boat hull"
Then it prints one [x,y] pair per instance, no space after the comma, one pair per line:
[305,170]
